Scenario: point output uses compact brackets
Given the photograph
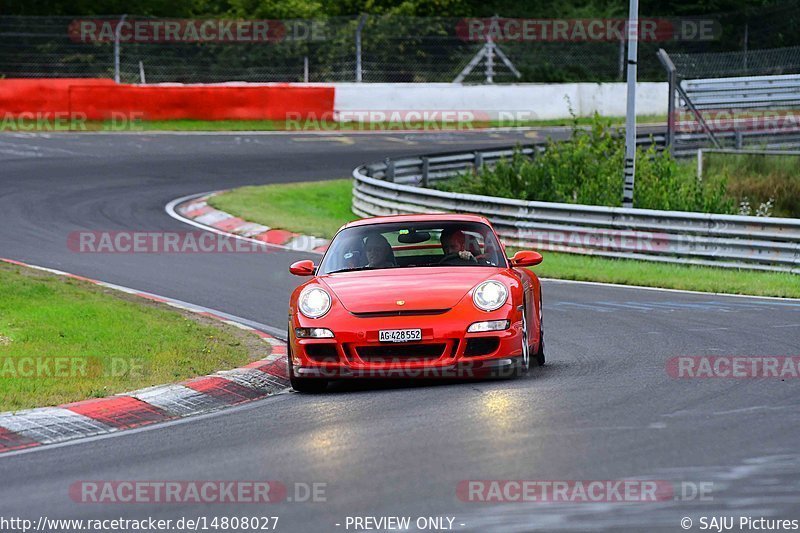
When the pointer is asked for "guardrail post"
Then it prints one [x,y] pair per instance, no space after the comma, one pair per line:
[478,160]
[699,164]
[739,139]
[117,37]
[361,21]
[389,175]
[426,169]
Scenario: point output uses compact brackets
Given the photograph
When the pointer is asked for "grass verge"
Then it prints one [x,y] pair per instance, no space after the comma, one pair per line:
[64,340]
[312,208]
[294,125]
[320,208]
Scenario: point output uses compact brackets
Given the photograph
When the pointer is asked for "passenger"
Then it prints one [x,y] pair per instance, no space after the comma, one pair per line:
[379,252]
[354,255]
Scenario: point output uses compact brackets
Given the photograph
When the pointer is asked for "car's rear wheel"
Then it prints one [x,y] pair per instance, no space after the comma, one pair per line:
[306,385]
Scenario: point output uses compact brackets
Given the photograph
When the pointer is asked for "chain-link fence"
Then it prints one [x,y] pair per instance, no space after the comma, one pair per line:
[741,63]
[402,49]
[371,48]
[734,100]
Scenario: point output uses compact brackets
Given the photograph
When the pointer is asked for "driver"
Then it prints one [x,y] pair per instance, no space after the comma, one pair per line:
[454,244]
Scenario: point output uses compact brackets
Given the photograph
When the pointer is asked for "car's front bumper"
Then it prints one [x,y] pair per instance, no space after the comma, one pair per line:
[464,370]
[446,350]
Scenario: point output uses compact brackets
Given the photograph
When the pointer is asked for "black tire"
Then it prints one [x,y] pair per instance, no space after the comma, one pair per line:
[522,367]
[540,358]
[304,385]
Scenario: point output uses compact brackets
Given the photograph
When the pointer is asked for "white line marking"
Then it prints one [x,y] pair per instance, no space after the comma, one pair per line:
[682,291]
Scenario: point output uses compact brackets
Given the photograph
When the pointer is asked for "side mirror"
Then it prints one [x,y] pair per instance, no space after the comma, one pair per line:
[526,258]
[302,268]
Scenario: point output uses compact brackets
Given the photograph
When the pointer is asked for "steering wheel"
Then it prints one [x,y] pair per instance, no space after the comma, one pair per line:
[456,257]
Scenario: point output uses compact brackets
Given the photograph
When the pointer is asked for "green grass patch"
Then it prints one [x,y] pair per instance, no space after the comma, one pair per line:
[312,208]
[63,340]
[292,125]
[668,276]
[320,208]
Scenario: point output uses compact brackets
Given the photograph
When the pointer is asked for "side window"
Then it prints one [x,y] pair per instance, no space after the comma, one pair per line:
[491,252]
[474,243]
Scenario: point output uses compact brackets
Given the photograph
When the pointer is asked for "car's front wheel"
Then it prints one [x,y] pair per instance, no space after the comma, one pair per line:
[307,385]
[540,358]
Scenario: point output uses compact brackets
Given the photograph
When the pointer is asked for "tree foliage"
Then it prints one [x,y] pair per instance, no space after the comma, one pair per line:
[422,8]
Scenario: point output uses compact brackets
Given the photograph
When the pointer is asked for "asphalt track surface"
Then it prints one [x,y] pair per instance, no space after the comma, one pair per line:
[603,408]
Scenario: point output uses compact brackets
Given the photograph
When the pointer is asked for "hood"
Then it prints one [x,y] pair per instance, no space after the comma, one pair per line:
[420,288]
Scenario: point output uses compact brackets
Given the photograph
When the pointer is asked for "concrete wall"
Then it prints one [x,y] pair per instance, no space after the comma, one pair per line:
[534,101]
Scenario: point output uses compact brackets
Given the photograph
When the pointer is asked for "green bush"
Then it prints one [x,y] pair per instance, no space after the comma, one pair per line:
[587,169]
[758,180]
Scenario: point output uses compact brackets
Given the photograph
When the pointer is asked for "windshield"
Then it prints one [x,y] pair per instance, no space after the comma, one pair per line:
[414,244]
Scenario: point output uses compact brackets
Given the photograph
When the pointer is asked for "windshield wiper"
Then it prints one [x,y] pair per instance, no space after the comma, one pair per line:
[353,269]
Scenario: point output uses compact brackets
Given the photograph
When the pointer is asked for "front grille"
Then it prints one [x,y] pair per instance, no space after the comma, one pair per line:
[404,312]
[481,346]
[401,352]
[322,353]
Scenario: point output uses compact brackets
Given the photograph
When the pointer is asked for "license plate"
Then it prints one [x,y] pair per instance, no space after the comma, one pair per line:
[400,335]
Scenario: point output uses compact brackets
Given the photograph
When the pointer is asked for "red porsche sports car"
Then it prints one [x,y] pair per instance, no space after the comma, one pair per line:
[429,295]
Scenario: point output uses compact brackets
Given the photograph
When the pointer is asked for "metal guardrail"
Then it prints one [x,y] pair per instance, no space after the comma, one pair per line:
[732,112]
[746,92]
[397,186]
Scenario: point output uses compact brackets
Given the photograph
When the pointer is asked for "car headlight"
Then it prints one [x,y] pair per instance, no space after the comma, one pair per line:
[314,302]
[490,295]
